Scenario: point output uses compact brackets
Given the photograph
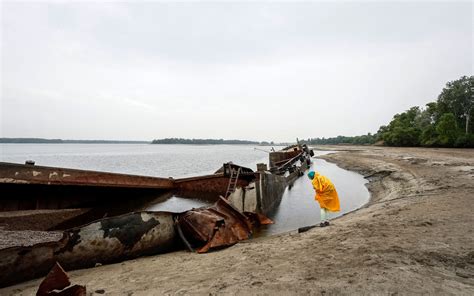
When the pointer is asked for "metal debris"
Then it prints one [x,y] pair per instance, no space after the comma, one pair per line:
[217,226]
[57,279]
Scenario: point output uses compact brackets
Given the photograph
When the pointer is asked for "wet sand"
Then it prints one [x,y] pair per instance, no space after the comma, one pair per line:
[415,236]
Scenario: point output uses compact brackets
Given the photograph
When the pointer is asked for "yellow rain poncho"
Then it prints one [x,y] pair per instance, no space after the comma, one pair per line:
[326,193]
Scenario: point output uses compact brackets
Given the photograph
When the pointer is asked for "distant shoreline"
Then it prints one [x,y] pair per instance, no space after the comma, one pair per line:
[208,144]
[60,141]
[154,142]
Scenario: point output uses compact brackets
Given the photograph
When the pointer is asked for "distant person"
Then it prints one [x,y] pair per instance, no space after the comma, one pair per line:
[326,195]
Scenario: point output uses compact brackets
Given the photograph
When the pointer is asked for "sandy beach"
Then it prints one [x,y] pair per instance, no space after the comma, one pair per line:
[415,236]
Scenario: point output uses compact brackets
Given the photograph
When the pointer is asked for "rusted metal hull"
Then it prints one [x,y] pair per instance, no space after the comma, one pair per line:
[107,240]
[128,236]
[29,187]
[284,160]
[279,157]
[264,193]
[14,197]
[206,187]
[12,173]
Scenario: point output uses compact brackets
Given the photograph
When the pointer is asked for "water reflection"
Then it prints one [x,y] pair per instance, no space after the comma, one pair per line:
[178,204]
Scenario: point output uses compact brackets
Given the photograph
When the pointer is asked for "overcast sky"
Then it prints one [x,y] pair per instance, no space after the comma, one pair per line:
[258,71]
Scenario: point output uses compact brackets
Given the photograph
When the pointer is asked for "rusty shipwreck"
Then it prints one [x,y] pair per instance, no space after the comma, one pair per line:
[115,227]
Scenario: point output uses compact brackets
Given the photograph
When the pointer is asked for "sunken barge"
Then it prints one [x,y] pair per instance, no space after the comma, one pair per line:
[115,227]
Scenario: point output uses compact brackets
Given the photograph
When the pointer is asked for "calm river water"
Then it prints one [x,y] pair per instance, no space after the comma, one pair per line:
[298,207]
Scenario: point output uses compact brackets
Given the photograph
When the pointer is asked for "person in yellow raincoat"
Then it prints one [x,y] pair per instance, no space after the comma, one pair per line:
[326,195]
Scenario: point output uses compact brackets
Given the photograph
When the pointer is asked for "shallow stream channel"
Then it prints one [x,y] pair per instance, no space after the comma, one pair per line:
[298,208]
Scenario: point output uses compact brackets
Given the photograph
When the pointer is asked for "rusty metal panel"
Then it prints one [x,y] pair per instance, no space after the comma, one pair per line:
[213,186]
[217,226]
[210,183]
[31,174]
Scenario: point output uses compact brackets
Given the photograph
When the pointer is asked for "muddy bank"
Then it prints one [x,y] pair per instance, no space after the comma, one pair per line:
[415,236]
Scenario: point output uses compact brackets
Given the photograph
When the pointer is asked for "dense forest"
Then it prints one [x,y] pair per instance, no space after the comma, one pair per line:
[444,123]
[357,140]
[203,141]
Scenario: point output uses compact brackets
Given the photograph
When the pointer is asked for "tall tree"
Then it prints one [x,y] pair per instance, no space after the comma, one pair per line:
[458,98]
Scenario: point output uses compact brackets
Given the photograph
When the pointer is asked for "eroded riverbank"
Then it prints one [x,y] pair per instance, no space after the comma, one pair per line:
[414,236]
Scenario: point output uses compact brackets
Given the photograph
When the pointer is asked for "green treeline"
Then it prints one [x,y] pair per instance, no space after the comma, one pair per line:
[203,141]
[444,123]
[357,140]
